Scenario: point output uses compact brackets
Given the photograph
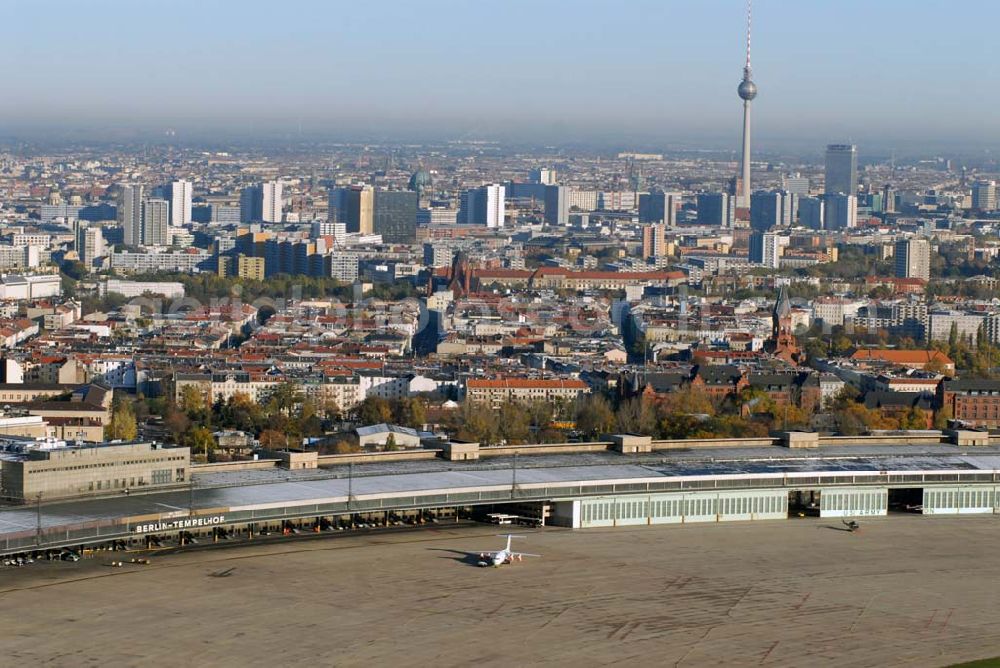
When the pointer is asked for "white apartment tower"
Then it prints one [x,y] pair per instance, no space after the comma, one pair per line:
[271,202]
[180,203]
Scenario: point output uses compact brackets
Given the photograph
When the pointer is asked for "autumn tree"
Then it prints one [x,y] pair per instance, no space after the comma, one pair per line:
[122,425]
[478,422]
[915,418]
[410,412]
[192,402]
[594,415]
[200,440]
[272,439]
[636,416]
[514,423]
[375,410]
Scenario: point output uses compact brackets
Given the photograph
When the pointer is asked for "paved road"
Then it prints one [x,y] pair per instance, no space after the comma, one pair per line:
[906,591]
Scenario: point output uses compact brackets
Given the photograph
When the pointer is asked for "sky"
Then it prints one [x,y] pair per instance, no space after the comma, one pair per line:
[636,72]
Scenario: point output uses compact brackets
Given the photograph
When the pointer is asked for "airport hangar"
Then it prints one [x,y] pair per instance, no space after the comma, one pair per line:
[580,491]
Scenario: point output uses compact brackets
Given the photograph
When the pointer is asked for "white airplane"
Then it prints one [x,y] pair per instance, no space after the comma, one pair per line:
[504,556]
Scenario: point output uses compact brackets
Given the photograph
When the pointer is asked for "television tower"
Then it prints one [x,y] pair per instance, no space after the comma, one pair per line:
[747,91]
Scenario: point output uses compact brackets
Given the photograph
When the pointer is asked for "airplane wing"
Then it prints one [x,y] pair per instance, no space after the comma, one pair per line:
[524,554]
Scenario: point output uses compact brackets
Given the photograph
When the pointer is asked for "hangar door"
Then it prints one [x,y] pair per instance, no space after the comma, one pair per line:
[853,502]
[958,500]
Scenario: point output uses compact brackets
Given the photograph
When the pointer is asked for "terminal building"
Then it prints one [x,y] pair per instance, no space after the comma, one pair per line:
[47,469]
[628,481]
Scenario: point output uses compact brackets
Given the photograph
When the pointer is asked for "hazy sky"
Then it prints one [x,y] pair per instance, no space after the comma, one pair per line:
[643,70]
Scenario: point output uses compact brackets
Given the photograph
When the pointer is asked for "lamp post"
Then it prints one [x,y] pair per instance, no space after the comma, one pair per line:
[38,519]
[350,483]
[513,477]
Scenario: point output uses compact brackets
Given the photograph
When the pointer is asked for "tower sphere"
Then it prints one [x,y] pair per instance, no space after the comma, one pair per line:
[747,89]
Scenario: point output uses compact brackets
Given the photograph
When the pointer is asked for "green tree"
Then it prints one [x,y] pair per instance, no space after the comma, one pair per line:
[411,412]
[74,269]
[375,410]
[953,338]
[284,397]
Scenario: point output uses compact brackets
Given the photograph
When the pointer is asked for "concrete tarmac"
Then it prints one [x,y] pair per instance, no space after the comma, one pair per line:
[905,591]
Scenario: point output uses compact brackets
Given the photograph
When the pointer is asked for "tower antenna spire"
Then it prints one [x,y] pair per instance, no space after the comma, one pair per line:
[746,68]
[747,91]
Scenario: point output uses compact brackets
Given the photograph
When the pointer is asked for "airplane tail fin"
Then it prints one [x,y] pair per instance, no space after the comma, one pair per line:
[509,536]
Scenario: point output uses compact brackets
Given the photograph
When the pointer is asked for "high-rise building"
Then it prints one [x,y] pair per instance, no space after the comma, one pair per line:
[155,222]
[659,207]
[747,90]
[766,248]
[654,241]
[984,195]
[343,265]
[913,258]
[716,209]
[841,212]
[261,203]
[271,202]
[483,206]
[557,205]
[437,216]
[544,176]
[395,216]
[354,207]
[773,209]
[812,212]
[841,169]
[888,199]
[180,203]
[795,184]
[222,213]
[250,204]
[324,228]
[89,243]
[251,268]
[130,213]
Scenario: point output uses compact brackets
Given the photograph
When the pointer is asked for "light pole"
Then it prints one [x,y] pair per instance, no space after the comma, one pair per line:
[38,519]
[513,477]
[350,483]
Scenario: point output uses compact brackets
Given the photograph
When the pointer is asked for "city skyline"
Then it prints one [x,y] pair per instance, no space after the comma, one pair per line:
[516,78]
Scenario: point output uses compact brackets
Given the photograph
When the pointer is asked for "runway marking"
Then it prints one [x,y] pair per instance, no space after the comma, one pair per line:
[729,612]
[694,646]
[768,653]
[623,631]
[862,613]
